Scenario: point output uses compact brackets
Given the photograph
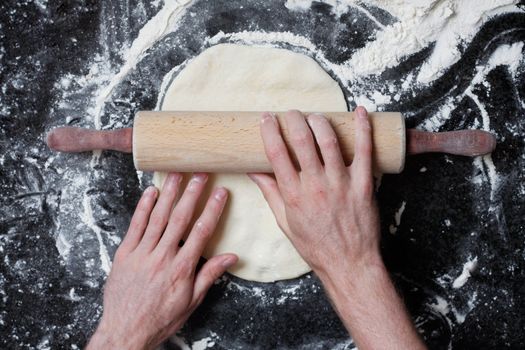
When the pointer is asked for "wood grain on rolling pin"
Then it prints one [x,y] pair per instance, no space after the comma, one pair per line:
[231,141]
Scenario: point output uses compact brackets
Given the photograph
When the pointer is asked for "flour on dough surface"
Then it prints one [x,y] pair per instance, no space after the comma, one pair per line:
[244,78]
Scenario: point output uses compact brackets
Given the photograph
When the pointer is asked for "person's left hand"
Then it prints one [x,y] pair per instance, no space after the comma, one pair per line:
[153,286]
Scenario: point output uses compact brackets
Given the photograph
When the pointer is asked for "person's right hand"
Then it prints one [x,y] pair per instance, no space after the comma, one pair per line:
[328,212]
[325,208]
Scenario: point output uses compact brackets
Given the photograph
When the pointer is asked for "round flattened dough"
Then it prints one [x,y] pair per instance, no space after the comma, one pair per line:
[244,78]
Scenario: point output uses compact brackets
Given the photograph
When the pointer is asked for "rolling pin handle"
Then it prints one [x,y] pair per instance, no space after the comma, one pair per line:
[73,139]
[469,143]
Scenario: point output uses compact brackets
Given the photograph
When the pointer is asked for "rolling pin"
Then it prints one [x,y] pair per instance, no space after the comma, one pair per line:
[229,142]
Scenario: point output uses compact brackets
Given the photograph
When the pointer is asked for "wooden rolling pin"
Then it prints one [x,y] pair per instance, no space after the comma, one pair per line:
[231,142]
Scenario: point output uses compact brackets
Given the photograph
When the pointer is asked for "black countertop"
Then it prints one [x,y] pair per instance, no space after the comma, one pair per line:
[62,216]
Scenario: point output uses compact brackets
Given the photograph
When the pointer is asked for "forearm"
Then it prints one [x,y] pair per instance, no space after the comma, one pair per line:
[107,338]
[371,309]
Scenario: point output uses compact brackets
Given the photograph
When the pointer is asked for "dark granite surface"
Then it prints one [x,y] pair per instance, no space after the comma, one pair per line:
[60,215]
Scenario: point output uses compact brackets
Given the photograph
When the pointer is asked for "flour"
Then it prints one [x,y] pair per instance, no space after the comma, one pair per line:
[447,310]
[468,268]
[89,220]
[201,344]
[441,306]
[446,23]
[204,343]
[505,55]
[100,74]
[164,22]
[397,218]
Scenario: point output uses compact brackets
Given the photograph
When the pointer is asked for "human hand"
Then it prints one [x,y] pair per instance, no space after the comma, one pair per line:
[326,209]
[329,213]
[153,286]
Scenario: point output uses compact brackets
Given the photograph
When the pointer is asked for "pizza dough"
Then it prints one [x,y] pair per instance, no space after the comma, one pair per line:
[243,78]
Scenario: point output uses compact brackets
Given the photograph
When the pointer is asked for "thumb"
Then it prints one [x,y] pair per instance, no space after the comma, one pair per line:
[209,273]
[270,190]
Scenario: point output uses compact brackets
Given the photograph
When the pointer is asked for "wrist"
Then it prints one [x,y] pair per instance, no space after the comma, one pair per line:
[107,336]
[350,279]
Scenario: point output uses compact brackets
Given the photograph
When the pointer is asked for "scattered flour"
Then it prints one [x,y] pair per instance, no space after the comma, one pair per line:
[203,343]
[468,268]
[441,306]
[397,218]
[163,23]
[444,308]
[446,23]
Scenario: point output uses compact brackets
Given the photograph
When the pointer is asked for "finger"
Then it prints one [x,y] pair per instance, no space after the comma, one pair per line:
[204,227]
[161,212]
[361,168]
[183,213]
[277,152]
[328,144]
[271,193]
[302,143]
[209,273]
[139,221]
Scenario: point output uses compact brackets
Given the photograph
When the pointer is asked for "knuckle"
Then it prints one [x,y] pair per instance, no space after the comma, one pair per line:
[365,125]
[328,142]
[272,186]
[156,221]
[300,138]
[135,226]
[142,209]
[183,269]
[275,153]
[180,217]
[203,230]
[213,273]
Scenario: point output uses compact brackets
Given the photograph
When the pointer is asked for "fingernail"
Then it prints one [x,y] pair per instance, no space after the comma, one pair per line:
[310,118]
[196,180]
[150,191]
[173,179]
[229,262]
[361,112]
[220,193]
[266,117]
[199,177]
